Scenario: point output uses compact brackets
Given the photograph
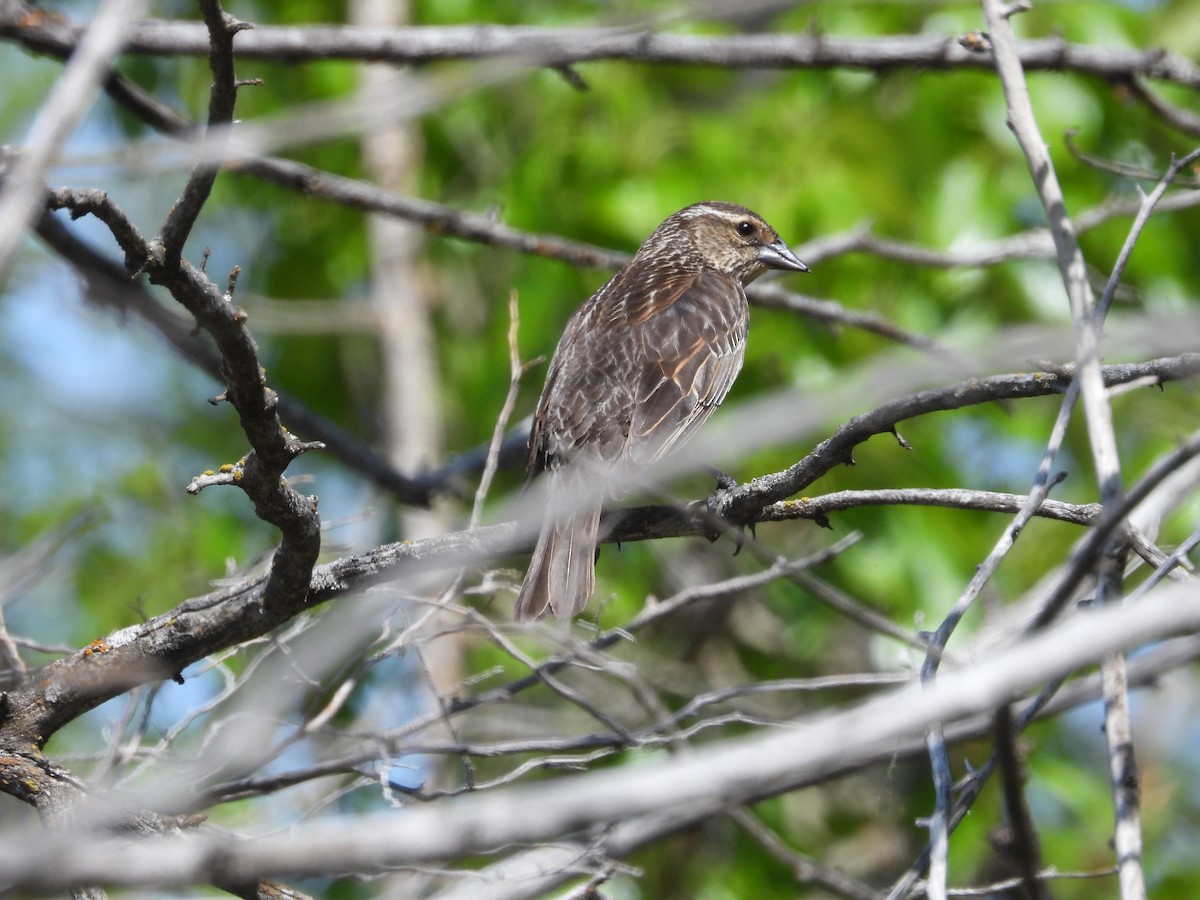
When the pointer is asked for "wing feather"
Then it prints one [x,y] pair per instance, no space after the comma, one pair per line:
[692,353]
[636,373]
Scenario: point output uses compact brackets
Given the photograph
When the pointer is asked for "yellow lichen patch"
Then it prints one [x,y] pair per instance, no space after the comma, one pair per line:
[226,468]
[209,473]
[96,646]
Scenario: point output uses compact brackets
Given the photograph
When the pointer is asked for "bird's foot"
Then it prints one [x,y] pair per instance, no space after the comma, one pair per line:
[715,524]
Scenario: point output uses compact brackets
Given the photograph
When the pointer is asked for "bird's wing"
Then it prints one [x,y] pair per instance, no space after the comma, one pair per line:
[692,349]
[639,369]
[586,405]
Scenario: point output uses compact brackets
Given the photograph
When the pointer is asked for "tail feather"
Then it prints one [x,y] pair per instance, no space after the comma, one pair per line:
[561,575]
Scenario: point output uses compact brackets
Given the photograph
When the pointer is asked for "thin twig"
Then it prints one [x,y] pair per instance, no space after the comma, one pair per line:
[1022,841]
[804,868]
[516,371]
[1086,316]
[21,179]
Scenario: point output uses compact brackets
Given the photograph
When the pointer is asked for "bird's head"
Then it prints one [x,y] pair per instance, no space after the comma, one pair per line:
[724,237]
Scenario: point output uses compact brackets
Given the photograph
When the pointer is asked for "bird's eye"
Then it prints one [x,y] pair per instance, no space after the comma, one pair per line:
[745,229]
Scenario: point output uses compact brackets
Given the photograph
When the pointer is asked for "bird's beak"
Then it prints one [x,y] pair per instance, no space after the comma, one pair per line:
[780,256]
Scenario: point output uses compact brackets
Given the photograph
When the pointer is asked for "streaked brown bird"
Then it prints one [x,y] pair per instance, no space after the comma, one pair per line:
[640,366]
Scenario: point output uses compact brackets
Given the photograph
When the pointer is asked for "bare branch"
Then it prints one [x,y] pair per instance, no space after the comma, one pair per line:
[742,503]
[805,869]
[21,179]
[221,28]
[1022,841]
[1180,119]
[96,673]
[513,878]
[107,285]
[690,788]
[165,644]
[559,46]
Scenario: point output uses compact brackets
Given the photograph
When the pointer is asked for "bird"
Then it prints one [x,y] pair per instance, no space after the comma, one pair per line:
[640,366]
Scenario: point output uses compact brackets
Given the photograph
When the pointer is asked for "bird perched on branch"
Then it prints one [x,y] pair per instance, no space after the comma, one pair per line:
[641,365]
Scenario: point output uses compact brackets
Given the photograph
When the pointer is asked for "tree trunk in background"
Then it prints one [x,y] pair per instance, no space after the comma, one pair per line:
[411,388]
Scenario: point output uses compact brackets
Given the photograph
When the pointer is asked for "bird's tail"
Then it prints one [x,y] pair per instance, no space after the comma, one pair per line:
[562,574]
